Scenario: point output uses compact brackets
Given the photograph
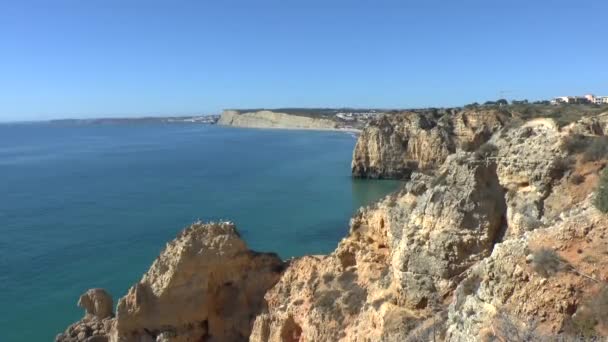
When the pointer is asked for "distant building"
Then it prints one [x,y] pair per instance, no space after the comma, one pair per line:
[561,99]
[597,99]
[573,99]
[345,116]
[600,100]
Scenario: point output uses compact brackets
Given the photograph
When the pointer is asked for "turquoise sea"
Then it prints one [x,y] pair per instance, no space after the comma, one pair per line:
[85,205]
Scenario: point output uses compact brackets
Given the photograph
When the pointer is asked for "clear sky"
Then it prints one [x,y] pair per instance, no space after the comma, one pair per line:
[127,58]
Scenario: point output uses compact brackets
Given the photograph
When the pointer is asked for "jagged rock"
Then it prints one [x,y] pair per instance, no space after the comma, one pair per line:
[471,128]
[529,160]
[345,296]
[394,145]
[97,322]
[205,285]
[88,329]
[97,303]
[397,256]
[593,125]
[440,233]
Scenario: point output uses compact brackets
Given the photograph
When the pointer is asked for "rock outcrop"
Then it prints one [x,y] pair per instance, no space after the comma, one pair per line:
[394,145]
[269,119]
[97,322]
[205,286]
[97,303]
[529,161]
[449,227]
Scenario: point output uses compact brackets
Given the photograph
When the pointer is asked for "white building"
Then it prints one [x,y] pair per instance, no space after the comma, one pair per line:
[600,99]
[597,99]
[589,98]
[561,99]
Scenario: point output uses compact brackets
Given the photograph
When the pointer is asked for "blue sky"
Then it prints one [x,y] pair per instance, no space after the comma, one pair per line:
[130,58]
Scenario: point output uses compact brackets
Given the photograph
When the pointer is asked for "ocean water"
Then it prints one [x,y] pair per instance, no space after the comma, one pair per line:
[85,206]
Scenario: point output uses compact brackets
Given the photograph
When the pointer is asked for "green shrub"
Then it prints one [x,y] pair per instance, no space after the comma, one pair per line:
[601,194]
[547,263]
[599,306]
[560,166]
[581,326]
[597,150]
[486,150]
[593,148]
[591,312]
[577,179]
[576,143]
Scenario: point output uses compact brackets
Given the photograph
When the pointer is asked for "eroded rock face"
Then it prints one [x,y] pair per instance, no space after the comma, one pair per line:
[529,162]
[394,145]
[205,285]
[504,289]
[399,255]
[345,296]
[593,125]
[449,227]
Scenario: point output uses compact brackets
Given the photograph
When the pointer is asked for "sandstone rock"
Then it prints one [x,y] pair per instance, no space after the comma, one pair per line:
[97,303]
[97,338]
[446,229]
[378,284]
[394,145]
[97,322]
[529,161]
[471,128]
[346,296]
[592,125]
[88,329]
[206,285]
[504,288]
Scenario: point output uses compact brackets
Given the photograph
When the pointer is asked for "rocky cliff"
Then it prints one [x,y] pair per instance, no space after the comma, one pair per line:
[392,146]
[269,119]
[496,239]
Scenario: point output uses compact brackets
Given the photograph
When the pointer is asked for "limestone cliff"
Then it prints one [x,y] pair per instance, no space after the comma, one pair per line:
[269,119]
[452,256]
[399,258]
[394,145]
